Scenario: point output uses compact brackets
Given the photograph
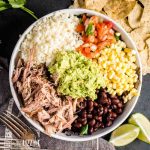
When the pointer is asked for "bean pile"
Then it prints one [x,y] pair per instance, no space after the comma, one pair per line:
[99,113]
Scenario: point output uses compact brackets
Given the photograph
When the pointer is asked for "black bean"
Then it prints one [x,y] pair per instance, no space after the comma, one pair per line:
[109,117]
[103,100]
[84,114]
[105,110]
[84,111]
[109,123]
[89,115]
[84,122]
[95,112]
[90,130]
[114,115]
[100,112]
[102,125]
[95,104]
[119,105]
[109,101]
[100,107]
[90,109]
[90,104]
[92,122]
[79,119]
[78,125]
[103,94]
[109,110]
[115,101]
[98,118]
[97,125]
[95,129]
[114,107]
[113,97]
[119,111]
[104,90]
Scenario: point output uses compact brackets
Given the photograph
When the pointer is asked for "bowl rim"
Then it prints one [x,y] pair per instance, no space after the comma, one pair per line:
[16,50]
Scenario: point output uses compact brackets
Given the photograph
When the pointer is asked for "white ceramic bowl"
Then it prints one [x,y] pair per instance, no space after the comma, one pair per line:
[130,105]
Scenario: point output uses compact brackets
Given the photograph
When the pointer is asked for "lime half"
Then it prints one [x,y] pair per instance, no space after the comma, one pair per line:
[144,124]
[124,135]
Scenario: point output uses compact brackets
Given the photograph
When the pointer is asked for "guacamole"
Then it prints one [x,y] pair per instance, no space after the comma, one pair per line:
[78,76]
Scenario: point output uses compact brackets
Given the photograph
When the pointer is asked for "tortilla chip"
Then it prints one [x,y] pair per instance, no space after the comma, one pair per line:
[148,47]
[139,36]
[124,24]
[148,42]
[146,12]
[75,4]
[143,1]
[119,9]
[78,4]
[135,16]
[103,12]
[95,4]
[144,59]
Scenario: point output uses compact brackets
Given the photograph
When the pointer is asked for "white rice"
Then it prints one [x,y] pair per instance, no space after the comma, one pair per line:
[50,34]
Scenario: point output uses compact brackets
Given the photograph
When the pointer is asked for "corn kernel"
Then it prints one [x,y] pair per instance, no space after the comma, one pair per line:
[119,69]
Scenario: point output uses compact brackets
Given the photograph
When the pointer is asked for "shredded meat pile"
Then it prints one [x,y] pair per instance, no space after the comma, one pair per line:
[40,99]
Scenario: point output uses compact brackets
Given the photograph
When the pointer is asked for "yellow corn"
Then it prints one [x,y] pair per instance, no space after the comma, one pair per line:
[119,69]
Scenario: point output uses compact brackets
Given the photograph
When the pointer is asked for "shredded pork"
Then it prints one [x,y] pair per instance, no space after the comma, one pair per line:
[40,98]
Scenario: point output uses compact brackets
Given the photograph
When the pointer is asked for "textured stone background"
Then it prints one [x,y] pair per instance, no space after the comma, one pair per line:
[12,24]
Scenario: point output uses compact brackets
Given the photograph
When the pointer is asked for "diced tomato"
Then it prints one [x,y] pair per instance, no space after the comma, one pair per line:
[80,48]
[103,36]
[95,41]
[111,31]
[101,30]
[84,38]
[91,38]
[83,18]
[84,53]
[110,36]
[80,28]
[86,45]
[87,49]
[95,33]
[86,23]
[92,54]
[109,24]
[94,19]
[103,44]
[93,47]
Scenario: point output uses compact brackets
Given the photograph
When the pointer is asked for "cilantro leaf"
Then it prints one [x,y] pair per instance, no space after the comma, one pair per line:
[20,4]
[29,11]
[84,130]
[117,37]
[89,30]
[3,5]
[17,3]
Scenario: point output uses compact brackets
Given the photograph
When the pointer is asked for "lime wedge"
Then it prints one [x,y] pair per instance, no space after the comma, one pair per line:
[144,124]
[124,135]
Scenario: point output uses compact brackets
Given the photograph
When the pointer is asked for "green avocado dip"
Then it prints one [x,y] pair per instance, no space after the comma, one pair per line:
[78,76]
